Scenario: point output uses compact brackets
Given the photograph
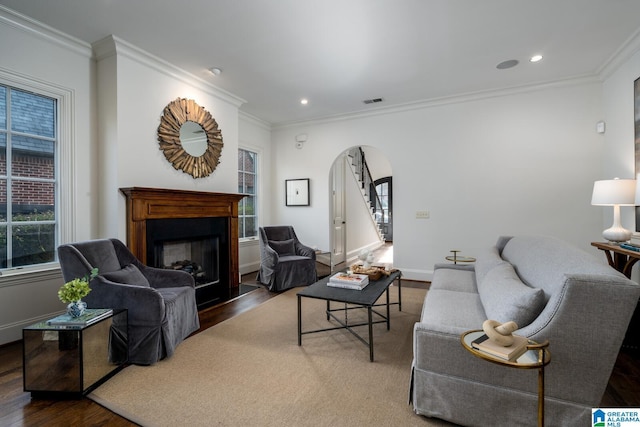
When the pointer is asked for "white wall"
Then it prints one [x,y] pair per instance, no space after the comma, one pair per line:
[511,163]
[143,86]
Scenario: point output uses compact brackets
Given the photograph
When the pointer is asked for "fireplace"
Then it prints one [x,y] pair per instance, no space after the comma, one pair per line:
[196,232]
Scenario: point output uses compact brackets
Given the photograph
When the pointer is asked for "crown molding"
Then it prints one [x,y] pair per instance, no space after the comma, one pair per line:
[257,121]
[620,56]
[36,28]
[448,100]
[112,45]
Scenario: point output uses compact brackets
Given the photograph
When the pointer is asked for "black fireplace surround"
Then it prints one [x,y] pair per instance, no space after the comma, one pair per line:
[205,258]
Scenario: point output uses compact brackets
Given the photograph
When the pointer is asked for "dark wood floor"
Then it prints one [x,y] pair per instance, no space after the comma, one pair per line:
[18,409]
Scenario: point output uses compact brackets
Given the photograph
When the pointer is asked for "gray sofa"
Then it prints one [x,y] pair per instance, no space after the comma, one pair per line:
[554,292]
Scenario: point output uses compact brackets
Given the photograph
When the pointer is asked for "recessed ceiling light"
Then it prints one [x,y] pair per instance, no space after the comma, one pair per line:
[215,71]
[304,101]
[507,64]
[535,58]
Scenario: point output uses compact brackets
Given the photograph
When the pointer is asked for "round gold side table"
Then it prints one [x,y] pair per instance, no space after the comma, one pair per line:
[537,356]
[456,259]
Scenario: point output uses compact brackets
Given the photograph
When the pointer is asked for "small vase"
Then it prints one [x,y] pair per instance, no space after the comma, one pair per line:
[76,308]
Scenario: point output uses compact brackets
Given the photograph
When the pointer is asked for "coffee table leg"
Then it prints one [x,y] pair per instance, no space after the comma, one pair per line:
[399,293]
[388,312]
[370,334]
[299,320]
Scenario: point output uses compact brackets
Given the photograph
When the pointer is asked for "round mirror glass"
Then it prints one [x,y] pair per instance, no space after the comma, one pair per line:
[193,138]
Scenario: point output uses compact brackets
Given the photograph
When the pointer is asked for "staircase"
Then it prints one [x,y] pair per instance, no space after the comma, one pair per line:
[358,165]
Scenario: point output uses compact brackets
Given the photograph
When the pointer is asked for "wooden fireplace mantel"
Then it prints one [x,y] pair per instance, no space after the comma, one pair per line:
[156,203]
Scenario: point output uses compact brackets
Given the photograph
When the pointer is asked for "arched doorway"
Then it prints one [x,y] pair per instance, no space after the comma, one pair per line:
[353,202]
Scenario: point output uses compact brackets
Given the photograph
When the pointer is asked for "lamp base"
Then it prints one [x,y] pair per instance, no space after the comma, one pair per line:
[617,234]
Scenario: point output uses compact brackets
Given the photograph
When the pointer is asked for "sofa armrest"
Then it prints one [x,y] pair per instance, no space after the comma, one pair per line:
[465,267]
[165,278]
[304,250]
[145,305]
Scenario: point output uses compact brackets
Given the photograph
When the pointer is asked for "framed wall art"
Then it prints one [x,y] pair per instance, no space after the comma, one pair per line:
[297,192]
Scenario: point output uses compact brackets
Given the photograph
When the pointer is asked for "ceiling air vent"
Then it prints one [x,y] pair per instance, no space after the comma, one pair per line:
[372,101]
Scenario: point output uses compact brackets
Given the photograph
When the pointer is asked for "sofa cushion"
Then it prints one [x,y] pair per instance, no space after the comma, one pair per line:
[454,279]
[486,261]
[129,275]
[505,297]
[283,247]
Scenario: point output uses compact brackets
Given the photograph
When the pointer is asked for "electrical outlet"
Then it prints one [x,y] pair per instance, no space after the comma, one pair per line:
[422,214]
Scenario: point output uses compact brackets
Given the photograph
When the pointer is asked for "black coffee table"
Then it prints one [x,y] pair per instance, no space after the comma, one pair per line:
[364,299]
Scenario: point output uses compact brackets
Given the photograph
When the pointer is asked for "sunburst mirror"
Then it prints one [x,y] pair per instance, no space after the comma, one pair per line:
[189,138]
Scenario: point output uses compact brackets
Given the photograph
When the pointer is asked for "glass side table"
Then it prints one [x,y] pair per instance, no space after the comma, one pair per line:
[324,263]
[537,357]
[61,361]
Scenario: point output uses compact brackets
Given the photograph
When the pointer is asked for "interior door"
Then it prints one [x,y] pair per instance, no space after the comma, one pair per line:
[339,221]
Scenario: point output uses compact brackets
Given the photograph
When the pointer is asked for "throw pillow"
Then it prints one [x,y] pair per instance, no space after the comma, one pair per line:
[283,247]
[486,261]
[129,275]
[505,297]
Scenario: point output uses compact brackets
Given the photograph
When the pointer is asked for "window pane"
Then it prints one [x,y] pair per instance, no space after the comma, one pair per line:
[32,157]
[32,114]
[32,201]
[250,227]
[3,201]
[3,108]
[33,244]
[3,246]
[247,179]
[250,161]
[249,205]
[3,154]
[249,187]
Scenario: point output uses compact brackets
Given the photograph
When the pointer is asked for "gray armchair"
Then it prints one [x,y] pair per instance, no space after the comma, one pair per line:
[284,261]
[161,303]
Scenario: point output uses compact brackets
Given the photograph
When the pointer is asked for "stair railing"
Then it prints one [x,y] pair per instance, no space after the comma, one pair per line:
[362,169]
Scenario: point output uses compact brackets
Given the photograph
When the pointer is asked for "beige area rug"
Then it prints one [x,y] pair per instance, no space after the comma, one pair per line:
[250,371]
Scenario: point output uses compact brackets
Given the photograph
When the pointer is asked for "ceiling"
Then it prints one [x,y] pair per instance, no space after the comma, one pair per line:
[337,53]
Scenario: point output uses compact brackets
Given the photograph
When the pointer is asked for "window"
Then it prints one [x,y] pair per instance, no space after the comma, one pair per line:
[247,184]
[28,178]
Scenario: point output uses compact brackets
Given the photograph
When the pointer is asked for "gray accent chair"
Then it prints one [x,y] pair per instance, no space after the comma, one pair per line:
[161,303]
[284,261]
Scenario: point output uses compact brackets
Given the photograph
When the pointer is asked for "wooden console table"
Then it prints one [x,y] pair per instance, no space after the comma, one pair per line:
[619,258]
[623,260]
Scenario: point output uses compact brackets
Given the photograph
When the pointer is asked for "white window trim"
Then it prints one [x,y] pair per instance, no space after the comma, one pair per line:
[252,241]
[65,160]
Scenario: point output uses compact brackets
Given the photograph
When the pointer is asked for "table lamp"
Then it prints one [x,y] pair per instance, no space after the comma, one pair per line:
[615,192]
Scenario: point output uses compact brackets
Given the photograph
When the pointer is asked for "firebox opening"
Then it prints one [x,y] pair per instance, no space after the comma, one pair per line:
[200,258]
[198,246]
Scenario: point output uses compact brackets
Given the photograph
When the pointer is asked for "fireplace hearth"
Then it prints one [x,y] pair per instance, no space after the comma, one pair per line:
[189,230]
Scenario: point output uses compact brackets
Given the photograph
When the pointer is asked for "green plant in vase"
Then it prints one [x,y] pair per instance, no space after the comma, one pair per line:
[72,292]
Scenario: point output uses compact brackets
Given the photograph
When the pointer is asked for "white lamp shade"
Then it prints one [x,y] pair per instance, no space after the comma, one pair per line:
[610,192]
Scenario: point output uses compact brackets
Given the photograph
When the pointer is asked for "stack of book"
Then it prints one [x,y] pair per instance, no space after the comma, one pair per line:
[512,352]
[349,281]
[91,315]
[633,244]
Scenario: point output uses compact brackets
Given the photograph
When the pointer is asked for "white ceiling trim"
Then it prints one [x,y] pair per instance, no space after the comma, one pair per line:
[112,45]
[43,31]
[438,102]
